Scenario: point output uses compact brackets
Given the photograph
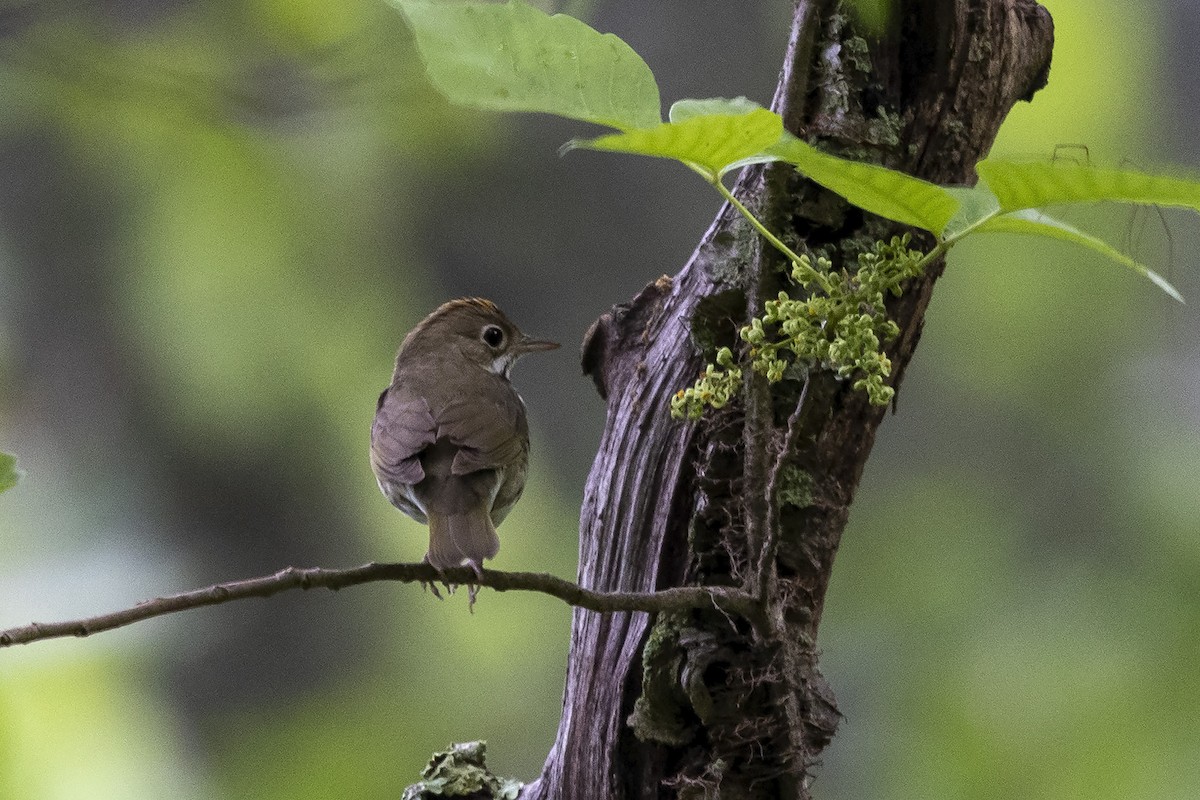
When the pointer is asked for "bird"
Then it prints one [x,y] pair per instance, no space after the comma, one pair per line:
[450,439]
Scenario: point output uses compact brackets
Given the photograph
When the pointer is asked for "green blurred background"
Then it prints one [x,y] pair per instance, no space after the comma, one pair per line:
[217,220]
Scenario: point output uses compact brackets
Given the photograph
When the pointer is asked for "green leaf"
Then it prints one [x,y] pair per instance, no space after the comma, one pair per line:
[9,474]
[879,190]
[686,109]
[513,57]
[1028,221]
[710,141]
[975,204]
[1036,184]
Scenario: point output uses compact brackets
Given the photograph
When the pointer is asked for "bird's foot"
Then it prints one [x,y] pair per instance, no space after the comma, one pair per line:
[432,585]
[472,588]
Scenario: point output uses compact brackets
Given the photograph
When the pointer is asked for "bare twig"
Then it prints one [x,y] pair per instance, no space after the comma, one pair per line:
[756,476]
[771,605]
[790,101]
[770,547]
[791,95]
[673,599]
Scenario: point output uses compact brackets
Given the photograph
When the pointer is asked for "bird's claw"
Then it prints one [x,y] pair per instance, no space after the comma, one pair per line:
[472,588]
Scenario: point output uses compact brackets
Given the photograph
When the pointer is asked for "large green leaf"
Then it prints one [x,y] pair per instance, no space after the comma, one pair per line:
[9,474]
[1028,221]
[711,141]
[879,190]
[513,57]
[1031,184]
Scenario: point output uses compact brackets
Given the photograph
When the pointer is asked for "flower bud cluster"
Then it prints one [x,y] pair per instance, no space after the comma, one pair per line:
[715,387]
[837,323]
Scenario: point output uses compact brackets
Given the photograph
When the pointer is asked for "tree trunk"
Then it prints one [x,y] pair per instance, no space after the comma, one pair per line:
[703,704]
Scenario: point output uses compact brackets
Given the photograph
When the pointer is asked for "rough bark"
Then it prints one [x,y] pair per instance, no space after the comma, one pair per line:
[700,704]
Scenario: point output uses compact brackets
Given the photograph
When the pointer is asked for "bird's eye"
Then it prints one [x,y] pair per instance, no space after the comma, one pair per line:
[492,336]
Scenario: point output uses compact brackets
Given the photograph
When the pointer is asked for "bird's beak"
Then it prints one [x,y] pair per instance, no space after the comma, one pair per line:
[531,345]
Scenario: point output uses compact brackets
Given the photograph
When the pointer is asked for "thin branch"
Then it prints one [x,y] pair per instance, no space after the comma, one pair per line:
[762,513]
[770,546]
[755,474]
[791,93]
[673,599]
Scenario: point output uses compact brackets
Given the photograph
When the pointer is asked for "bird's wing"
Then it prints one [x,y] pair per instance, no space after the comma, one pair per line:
[488,428]
[403,428]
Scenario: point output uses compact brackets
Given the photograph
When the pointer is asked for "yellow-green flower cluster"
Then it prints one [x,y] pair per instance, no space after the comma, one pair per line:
[838,322]
[715,387]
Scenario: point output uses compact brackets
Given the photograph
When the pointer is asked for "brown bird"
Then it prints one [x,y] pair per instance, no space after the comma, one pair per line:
[450,443]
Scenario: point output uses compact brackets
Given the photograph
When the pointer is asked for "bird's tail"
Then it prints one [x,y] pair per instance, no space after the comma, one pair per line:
[457,540]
